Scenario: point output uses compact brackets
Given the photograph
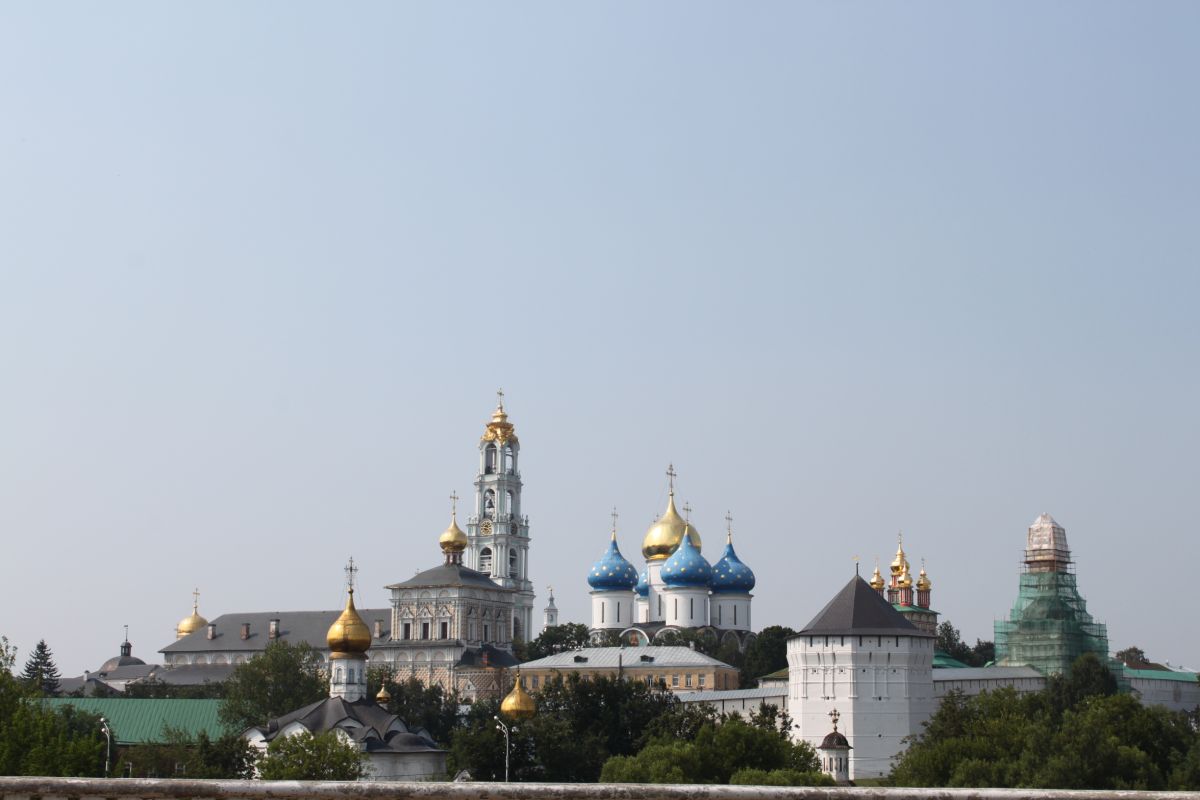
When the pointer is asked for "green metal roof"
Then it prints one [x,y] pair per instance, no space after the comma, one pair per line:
[1161,675]
[776,675]
[943,661]
[143,721]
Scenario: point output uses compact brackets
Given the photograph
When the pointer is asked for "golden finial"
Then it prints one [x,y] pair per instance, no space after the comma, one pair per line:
[195,599]
[671,479]
[500,400]
[614,525]
[687,512]
[351,570]
[454,504]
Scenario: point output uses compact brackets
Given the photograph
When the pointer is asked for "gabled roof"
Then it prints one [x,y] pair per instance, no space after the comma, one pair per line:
[858,609]
[449,575]
[294,627]
[652,656]
[373,727]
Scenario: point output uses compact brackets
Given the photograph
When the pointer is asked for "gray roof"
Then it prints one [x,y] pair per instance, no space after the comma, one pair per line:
[375,728]
[775,693]
[449,575]
[193,674]
[657,655]
[858,609]
[294,627]
[495,657]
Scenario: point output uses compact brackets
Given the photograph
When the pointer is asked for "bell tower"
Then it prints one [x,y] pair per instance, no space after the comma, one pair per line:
[497,531]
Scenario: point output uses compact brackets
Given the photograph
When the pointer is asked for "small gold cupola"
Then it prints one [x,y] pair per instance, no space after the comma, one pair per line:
[518,704]
[193,622]
[923,582]
[877,578]
[900,562]
[499,429]
[664,536]
[453,541]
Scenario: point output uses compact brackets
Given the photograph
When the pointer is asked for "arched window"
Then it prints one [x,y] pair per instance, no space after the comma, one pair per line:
[489,459]
[510,462]
[512,563]
[510,508]
[489,503]
[485,560]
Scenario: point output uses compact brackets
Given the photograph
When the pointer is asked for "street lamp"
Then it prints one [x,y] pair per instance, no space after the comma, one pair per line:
[507,729]
[107,743]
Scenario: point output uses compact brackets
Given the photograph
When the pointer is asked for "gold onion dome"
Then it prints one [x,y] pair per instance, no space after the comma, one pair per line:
[900,562]
[348,633]
[453,540]
[905,578]
[499,429]
[664,536]
[384,697]
[191,623]
[518,704]
[877,579]
[923,582]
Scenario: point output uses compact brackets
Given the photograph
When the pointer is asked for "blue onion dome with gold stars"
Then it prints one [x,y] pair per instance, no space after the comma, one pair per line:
[730,574]
[612,571]
[686,567]
[643,584]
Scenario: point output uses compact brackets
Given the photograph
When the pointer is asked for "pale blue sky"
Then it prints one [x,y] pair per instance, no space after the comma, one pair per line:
[853,268]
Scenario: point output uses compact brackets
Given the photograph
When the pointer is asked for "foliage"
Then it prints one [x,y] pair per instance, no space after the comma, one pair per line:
[766,653]
[305,757]
[720,748]
[418,705]
[556,639]
[1078,733]
[35,740]
[8,655]
[1132,656]
[949,641]
[154,688]
[779,777]
[281,679]
[183,755]
[40,673]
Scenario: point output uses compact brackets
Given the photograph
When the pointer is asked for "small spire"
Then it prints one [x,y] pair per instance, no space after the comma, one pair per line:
[351,570]
[126,633]
[614,525]
[499,399]
[671,479]
[454,505]
[856,566]
[687,512]
[195,599]
[728,527]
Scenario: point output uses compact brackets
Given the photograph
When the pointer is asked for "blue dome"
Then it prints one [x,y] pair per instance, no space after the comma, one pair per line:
[643,584]
[686,567]
[730,574]
[612,571]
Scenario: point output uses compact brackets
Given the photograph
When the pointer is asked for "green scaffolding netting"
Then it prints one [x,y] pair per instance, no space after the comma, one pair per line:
[1049,625]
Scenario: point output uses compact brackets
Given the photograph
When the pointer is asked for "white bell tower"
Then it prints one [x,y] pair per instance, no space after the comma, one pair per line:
[498,532]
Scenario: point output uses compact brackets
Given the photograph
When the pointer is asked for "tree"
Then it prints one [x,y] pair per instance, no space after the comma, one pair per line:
[766,653]
[556,639]
[154,688]
[186,756]
[949,641]
[418,705]
[40,673]
[1132,657]
[281,679]
[326,756]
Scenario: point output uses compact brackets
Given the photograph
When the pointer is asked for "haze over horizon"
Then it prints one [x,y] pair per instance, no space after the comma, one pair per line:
[852,269]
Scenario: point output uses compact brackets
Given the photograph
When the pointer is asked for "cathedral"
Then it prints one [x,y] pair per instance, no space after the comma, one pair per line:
[453,624]
[678,589]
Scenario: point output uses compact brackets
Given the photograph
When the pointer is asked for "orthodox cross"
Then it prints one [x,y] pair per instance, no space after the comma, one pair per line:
[551,590]
[614,518]
[454,503]
[835,716]
[127,633]
[687,513]
[729,524]
[671,477]
[195,598]
[351,571]
[500,398]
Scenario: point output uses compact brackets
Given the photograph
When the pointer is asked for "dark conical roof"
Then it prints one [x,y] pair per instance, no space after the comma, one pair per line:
[860,610]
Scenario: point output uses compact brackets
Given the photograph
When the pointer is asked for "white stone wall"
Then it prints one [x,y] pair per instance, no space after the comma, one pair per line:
[730,611]
[1173,694]
[685,606]
[612,610]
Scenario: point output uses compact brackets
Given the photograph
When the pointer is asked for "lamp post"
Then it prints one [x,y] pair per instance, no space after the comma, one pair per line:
[507,729]
[107,743]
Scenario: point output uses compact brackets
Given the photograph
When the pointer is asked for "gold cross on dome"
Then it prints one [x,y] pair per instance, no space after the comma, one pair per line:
[671,477]
[500,399]
[835,716]
[454,503]
[687,513]
[195,598]
[729,523]
[351,571]
[614,519]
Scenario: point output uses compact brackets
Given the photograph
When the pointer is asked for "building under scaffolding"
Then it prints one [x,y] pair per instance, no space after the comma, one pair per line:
[1049,625]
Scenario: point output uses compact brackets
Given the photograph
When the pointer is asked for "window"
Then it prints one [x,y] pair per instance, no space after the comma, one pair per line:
[602,604]
[445,630]
[535,681]
[618,611]
[512,563]
[674,680]
[509,460]
[687,679]
[486,632]
[735,615]
[691,608]
[718,614]
[701,681]
[660,611]
[510,508]
[485,561]
[489,459]
[676,605]
[424,630]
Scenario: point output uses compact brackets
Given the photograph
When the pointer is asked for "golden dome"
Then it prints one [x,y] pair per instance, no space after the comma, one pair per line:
[499,429]
[453,540]
[191,623]
[905,578]
[900,562]
[518,704]
[923,582]
[877,579]
[664,536]
[383,698]
[348,633]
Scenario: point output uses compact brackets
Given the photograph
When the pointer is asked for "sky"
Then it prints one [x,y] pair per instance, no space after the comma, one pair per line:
[853,268]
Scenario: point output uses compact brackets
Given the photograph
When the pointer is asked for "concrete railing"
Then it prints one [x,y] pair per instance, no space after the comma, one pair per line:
[164,789]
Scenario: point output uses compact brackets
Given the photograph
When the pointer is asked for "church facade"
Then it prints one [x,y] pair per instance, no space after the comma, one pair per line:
[677,589]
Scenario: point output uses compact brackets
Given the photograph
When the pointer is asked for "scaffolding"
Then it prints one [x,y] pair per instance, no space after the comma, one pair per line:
[1049,625]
